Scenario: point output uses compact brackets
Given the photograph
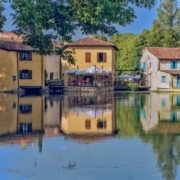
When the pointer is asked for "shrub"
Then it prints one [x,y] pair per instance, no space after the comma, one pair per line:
[132,86]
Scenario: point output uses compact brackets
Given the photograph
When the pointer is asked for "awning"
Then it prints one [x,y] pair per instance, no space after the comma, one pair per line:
[89,71]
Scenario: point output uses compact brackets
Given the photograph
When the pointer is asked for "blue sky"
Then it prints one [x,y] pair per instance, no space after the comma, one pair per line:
[144,20]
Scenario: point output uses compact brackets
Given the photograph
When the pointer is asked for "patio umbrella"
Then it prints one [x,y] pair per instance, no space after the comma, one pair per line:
[95,70]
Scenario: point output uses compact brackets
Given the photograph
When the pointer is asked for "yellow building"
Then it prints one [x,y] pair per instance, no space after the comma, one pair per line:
[20,67]
[95,63]
[88,115]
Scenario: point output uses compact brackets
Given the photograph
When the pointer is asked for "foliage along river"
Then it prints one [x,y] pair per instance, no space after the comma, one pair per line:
[126,136]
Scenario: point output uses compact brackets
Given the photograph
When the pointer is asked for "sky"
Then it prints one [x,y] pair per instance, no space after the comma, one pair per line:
[143,21]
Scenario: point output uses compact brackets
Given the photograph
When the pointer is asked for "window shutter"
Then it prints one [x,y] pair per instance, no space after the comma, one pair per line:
[88,57]
[97,57]
[105,57]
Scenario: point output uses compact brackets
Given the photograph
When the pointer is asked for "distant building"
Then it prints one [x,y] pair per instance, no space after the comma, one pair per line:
[161,68]
[95,63]
[20,67]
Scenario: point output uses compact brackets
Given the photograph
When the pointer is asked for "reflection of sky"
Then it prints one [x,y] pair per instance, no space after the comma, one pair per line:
[92,112]
[111,159]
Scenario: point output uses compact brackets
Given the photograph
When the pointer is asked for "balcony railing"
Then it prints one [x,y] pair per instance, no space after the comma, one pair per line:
[89,84]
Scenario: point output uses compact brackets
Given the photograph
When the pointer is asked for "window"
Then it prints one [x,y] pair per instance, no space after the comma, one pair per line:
[143,66]
[101,124]
[163,79]
[51,76]
[150,65]
[25,74]
[24,128]
[25,56]
[13,78]
[25,108]
[174,116]
[174,65]
[14,105]
[101,57]
[163,103]
[88,124]
[178,101]
[87,57]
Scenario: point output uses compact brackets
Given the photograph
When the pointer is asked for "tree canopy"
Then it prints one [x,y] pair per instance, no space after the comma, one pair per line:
[165,32]
[127,57]
[166,29]
[40,21]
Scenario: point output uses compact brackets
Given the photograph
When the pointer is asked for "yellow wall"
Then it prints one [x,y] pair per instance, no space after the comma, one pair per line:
[74,123]
[8,68]
[8,114]
[109,65]
[36,65]
[74,118]
[36,117]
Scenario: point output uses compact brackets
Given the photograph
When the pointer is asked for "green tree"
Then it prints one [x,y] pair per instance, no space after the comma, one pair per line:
[128,58]
[42,20]
[166,28]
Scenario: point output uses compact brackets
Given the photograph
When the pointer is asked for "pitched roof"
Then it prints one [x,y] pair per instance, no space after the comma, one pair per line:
[165,53]
[10,36]
[91,41]
[172,72]
[14,46]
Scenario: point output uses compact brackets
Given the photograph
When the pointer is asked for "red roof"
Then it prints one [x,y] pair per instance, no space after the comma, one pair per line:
[14,46]
[165,53]
[91,41]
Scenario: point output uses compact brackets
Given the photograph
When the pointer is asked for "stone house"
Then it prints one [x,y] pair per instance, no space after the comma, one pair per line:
[161,68]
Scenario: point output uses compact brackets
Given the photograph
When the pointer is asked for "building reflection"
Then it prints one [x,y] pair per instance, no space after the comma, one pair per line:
[28,118]
[30,114]
[8,114]
[52,115]
[20,119]
[160,117]
[88,115]
[161,113]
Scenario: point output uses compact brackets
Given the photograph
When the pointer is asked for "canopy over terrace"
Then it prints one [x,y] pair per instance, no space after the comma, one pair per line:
[92,76]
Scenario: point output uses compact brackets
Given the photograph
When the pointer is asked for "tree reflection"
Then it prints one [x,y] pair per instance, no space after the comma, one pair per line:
[127,115]
[165,143]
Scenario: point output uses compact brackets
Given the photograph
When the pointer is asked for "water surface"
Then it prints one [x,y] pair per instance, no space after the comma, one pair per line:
[124,136]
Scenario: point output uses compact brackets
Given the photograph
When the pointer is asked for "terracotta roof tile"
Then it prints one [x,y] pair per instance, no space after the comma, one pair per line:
[172,72]
[10,36]
[91,41]
[14,46]
[165,53]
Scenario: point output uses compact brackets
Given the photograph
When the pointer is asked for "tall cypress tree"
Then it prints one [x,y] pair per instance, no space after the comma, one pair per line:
[168,14]
[168,23]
